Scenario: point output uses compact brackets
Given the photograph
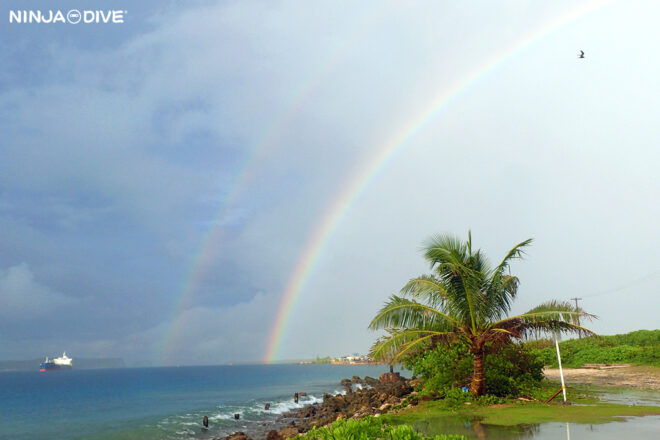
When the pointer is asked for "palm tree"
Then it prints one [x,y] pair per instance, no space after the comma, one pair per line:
[465,299]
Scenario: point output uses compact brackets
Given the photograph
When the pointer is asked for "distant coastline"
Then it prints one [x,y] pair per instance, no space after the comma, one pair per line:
[356,359]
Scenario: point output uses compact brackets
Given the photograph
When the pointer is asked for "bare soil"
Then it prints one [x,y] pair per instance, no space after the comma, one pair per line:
[620,376]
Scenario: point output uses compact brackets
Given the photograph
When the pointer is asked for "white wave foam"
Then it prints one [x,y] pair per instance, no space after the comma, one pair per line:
[250,412]
[221,416]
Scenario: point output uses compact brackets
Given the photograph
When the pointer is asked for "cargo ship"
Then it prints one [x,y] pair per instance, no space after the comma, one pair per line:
[60,363]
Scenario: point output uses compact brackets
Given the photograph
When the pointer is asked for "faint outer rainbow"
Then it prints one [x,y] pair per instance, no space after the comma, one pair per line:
[295,102]
[347,198]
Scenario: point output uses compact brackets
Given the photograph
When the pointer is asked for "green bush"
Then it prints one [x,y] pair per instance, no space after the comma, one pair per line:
[454,398]
[641,347]
[511,370]
[443,368]
[369,428]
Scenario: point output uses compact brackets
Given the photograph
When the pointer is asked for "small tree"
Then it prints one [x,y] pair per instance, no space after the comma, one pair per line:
[466,300]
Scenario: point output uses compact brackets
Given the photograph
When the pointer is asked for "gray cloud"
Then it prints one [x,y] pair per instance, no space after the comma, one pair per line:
[21,295]
[196,152]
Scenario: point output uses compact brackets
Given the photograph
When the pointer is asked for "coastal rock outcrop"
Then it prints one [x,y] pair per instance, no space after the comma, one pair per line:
[374,398]
[274,435]
[238,436]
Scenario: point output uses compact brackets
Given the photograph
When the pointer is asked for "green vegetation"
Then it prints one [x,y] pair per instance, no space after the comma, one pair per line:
[641,347]
[322,360]
[510,371]
[370,428]
[436,414]
[465,300]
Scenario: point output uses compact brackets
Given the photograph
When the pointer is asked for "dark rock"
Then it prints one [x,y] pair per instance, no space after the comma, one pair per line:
[377,398]
[390,377]
[238,436]
[288,432]
[274,435]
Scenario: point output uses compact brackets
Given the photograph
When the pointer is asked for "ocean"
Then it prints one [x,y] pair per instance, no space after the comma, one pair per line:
[161,403]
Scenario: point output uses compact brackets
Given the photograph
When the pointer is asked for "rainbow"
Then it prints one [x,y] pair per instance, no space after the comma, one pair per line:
[357,186]
[208,243]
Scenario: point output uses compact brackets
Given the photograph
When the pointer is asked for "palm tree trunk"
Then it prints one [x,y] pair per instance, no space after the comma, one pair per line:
[478,385]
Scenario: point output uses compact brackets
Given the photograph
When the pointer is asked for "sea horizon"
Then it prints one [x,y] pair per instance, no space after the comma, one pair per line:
[162,403]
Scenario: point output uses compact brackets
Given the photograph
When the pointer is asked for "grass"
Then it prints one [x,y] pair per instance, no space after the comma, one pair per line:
[641,347]
[585,407]
[370,428]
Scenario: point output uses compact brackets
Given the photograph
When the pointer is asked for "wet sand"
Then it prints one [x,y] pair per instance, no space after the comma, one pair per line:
[620,376]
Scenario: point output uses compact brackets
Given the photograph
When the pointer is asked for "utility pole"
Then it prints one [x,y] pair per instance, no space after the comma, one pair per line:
[576,307]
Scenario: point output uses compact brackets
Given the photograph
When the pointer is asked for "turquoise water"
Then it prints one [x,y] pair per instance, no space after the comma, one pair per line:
[160,403]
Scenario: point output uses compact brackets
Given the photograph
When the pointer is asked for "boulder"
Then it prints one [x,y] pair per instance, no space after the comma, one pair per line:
[376,399]
[238,436]
[390,377]
[288,432]
[274,435]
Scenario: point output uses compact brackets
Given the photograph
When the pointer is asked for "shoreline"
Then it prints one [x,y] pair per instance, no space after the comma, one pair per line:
[361,397]
[395,400]
[613,376]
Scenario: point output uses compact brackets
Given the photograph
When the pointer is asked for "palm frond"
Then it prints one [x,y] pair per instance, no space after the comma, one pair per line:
[500,293]
[401,312]
[516,252]
[426,288]
[399,342]
[445,248]
[551,317]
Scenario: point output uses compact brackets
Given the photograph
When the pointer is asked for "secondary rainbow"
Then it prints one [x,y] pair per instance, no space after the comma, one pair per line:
[209,242]
[352,192]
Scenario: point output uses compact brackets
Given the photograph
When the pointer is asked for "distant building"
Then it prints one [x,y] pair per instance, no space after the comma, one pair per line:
[356,358]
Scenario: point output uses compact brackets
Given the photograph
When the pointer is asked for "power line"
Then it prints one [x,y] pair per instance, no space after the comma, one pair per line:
[623,286]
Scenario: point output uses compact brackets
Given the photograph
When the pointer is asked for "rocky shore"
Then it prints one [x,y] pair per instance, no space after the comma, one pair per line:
[363,397]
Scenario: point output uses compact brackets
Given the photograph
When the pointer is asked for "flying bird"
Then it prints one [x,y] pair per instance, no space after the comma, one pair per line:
[581,54]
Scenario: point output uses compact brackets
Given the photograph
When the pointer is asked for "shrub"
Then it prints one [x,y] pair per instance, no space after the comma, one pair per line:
[511,370]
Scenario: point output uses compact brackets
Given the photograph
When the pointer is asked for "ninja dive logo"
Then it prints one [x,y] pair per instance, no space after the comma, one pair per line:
[72,16]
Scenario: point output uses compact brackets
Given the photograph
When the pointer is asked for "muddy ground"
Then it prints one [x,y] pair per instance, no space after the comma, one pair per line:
[622,376]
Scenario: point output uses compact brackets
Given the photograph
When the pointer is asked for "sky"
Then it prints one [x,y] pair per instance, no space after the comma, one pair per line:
[163,179]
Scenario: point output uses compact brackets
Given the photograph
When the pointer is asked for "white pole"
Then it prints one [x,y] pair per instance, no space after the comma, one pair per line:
[561,373]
